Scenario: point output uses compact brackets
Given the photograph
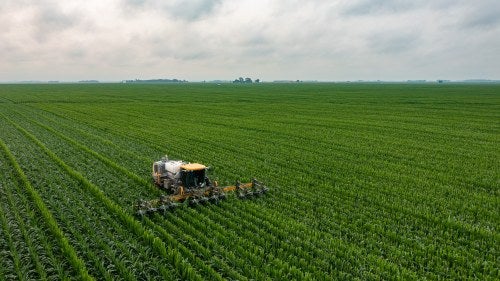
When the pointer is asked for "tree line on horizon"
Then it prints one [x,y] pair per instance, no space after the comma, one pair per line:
[245,80]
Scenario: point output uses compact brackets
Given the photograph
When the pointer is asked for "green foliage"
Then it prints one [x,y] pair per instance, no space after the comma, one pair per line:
[67,249]
[368,181]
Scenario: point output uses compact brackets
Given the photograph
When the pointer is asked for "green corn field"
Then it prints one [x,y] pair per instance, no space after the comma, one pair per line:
[367,181]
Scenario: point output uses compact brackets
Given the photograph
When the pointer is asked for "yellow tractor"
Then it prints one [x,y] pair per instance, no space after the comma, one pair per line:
[184,181]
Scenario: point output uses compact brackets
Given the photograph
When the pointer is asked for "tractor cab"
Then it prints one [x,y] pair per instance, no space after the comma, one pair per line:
[193,175]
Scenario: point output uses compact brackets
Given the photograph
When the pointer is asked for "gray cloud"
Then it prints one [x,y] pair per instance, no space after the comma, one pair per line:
[269,39]
[177,9]
[393,44]
[484,14]
[192,10]
[365,7]
[49,20]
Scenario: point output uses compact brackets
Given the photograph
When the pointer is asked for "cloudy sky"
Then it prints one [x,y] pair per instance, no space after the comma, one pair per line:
[275,39]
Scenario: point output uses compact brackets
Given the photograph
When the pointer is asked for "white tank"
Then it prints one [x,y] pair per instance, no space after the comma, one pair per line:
[173,167]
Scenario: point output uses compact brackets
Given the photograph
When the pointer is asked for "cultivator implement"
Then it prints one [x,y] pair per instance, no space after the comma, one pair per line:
[196,196]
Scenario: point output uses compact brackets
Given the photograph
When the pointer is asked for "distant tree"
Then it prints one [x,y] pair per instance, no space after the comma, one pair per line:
[257,80]
[246,80]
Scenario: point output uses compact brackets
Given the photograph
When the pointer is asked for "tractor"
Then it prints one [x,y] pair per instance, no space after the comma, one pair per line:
[183,181]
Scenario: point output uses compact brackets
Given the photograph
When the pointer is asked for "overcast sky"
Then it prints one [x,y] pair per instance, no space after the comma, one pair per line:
[275,39]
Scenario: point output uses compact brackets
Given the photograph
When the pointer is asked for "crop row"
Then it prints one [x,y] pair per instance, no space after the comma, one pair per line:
[275,276]
[132,177]
[76,209]
[422,200]
[355,192]
[105,161]
[46,138]
[396,210]
[358,160]
[309,200]
[67,249]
